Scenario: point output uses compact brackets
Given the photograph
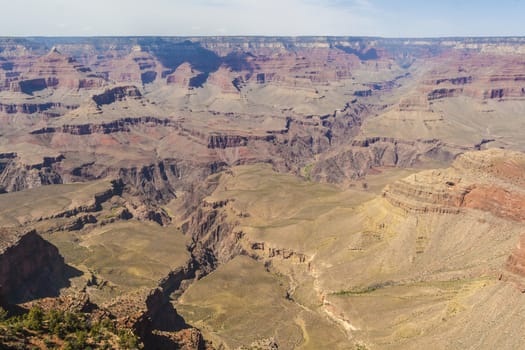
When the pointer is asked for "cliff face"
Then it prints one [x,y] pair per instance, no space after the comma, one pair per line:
[490,181]
[30,267]
[17,176]
[293,102]
[120,125]
[153,319]
[363,156]
[297,62]
[48,108]
[182,76]
[481,76]
[160,115]
[52,70]
[116,94]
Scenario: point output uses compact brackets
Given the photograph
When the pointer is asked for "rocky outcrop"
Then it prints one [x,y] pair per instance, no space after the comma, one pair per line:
[30,74]
[500,201]
[118,93]
[366,154]
[154,320]
[490,181]
[185,339]
[182,76]
[443,93]
[261,250]
[151,183]
[30,267]
[17,176]
[462,80]
[76,302]
[213,238]
[507,92]
[90,206]
[427,192]
[363,93]
[30,108]
[482,76]
[226,141]
[120,125]
[230,141]
[32,85]
[149,315]
[224,79]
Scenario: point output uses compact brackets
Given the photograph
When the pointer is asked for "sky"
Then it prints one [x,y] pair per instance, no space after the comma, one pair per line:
[386,18]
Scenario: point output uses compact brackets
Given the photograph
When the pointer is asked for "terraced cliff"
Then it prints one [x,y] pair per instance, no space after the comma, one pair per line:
[490,181]
[215,182]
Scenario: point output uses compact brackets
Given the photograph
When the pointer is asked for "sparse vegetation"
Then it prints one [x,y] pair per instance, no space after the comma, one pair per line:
[368,289]
[3,314]
[62,330]
[307,171]
[360,347]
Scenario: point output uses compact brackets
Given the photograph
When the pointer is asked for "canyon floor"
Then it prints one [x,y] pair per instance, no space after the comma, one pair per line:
[265,193]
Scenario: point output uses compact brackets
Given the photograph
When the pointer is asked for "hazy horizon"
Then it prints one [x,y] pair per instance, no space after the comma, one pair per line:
[372,18]
[266,36]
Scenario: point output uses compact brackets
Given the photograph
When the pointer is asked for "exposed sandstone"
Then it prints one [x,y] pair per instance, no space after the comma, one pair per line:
[30,108]
[443,93]
[483,76]
[431,191]
[491,181]
[120,125]
[118,93]
[182,76]
[366,154]
[15,175]
[278,90]
[224,79]
[53,70]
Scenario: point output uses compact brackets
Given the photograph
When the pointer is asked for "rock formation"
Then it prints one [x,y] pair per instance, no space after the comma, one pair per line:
[30,267]
[490,181]
[116,94]
[154,147]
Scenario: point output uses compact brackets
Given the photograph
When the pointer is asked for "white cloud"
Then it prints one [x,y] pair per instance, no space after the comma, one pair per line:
[258,17]
[178,17]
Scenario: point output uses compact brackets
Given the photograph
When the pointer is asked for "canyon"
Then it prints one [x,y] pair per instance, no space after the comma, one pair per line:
[267,192]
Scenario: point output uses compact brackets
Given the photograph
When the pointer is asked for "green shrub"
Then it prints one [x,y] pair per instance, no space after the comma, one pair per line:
[55,323]
[3,314]
[79,340]
[77,330]
[34,320]
[128,340]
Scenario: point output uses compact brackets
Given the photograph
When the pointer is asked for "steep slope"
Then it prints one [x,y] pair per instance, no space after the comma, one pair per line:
[30,267]
[392,269]
[165,168]
[337,107]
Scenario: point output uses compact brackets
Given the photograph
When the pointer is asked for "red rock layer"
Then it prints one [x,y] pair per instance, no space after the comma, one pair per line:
[491,181]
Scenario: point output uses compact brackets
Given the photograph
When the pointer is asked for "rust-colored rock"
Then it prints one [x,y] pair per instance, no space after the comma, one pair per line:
[491,181]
